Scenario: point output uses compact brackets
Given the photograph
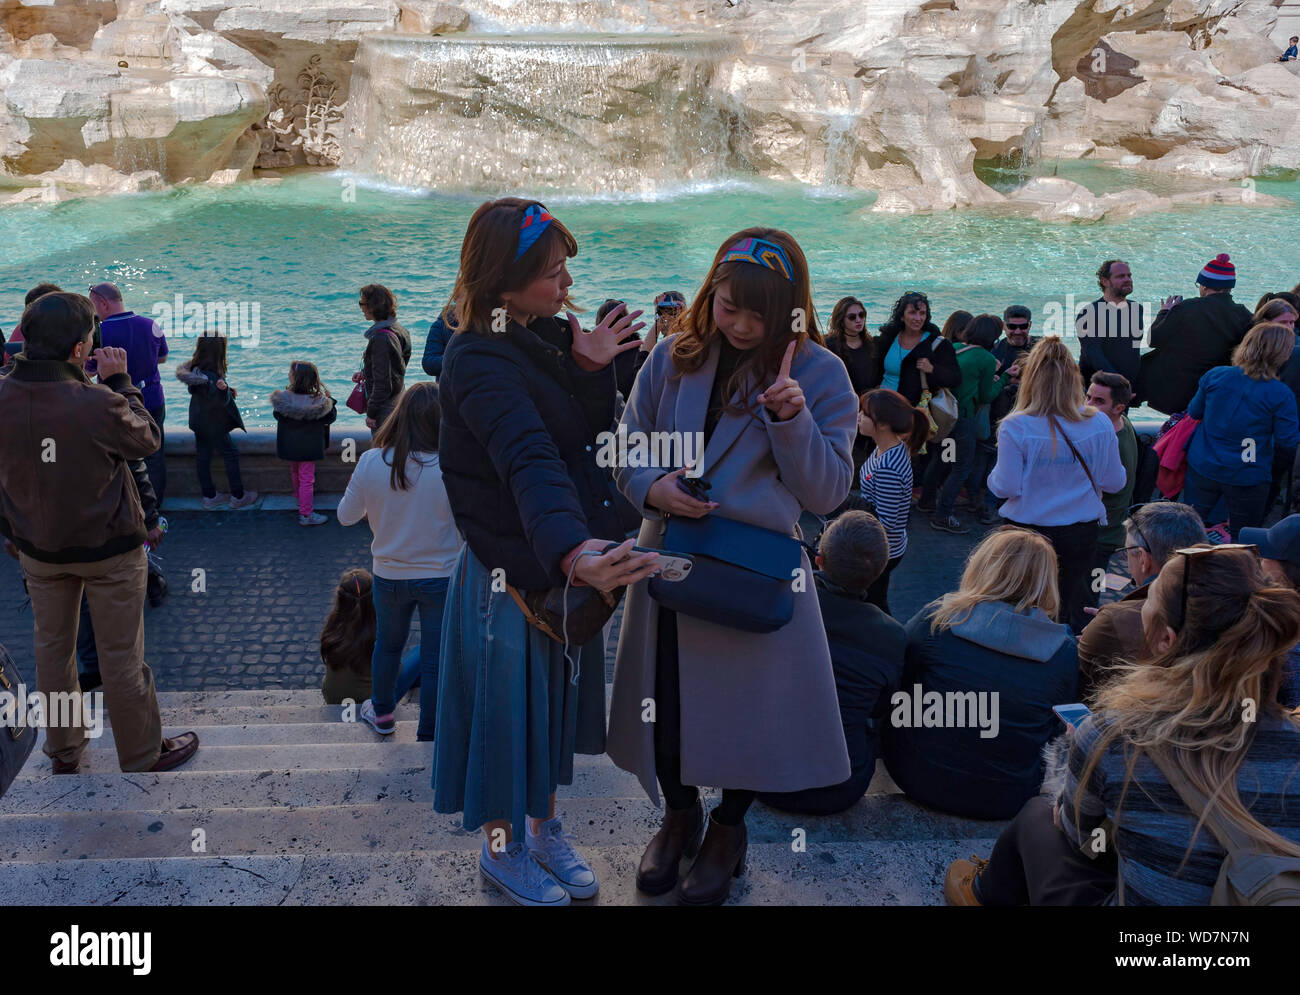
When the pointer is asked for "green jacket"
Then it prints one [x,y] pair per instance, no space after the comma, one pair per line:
[978,384]
[1118,504]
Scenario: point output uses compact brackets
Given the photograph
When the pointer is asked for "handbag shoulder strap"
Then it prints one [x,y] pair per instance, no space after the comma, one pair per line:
[1077,455]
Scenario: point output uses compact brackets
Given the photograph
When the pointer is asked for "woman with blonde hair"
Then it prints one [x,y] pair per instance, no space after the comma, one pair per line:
[991,648]
[1247,416]
[1056,457]
[740,674]
[1167,728]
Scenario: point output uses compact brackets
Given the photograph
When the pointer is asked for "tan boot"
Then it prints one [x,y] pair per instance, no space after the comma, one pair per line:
[959,884]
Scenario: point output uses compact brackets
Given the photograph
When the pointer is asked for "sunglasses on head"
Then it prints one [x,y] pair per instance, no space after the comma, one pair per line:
[1194,553]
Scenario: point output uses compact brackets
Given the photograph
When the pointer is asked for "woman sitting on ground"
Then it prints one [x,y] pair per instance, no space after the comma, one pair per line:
[992,647]
[1216,636]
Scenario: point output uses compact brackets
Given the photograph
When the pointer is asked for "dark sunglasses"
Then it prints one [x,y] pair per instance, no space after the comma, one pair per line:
[1130,520]
[1017,328]
[1193,553]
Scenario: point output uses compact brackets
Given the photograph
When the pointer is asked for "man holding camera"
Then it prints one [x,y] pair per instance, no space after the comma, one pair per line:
[69,507]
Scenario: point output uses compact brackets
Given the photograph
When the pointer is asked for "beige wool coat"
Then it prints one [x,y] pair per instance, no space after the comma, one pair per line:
[758,710]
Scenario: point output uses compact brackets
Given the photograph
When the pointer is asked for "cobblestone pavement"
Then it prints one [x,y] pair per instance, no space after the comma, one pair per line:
[268,584]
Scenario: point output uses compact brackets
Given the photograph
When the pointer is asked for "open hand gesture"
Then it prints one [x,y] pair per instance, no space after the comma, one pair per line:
[596,349]
[784,398]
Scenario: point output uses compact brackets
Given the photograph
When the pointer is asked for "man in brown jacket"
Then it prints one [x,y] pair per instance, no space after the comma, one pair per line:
[69,505]
[1152,532]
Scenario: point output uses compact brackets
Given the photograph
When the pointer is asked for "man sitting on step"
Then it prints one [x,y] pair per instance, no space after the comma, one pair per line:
[69,506]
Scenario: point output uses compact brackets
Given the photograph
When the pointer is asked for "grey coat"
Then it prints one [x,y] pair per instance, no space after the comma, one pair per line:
[758,710]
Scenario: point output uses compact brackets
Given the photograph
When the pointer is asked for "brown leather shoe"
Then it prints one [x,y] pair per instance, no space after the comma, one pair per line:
[176,751]
[722,858]
[958,884]
[63,767]
[679,836]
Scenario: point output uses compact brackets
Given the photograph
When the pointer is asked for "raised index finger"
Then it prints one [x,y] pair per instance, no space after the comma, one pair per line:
[788,358]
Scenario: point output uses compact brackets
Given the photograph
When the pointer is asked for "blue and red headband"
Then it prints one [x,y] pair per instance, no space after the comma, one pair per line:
[763,253]
[536,218]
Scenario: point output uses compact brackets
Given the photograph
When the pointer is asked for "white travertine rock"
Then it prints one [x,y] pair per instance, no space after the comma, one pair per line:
[896,95]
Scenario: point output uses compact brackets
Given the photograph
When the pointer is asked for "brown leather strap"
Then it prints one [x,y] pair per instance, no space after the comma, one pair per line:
[530,616]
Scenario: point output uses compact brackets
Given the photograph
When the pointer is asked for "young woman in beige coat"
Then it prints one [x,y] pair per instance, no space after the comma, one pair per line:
[738,710]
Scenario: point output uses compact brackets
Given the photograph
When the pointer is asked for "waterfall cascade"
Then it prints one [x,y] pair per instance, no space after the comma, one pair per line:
[588,114]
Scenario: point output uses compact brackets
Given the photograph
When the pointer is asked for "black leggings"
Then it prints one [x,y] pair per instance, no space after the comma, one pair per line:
[668,734]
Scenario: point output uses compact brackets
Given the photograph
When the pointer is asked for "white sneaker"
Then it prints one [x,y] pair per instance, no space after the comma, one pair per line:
[315,518]
[249,498]
[553,850]
[219,500]
[520,877]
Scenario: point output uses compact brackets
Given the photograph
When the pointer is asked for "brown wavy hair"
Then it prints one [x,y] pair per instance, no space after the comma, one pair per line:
[752,288]
[411,428]
[347,642]
[1185,703]
[304,378]
[488,267]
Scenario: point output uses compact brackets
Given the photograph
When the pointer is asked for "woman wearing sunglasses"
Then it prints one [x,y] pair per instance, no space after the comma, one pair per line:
[1198,709]
[849,339]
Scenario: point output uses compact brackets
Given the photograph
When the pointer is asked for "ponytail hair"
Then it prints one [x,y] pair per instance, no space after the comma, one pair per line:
[896,413]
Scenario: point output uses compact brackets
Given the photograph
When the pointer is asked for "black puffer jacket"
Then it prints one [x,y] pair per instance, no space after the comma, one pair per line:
[383,366]
[302,425]
[213,411]
[933,347]
[518,449]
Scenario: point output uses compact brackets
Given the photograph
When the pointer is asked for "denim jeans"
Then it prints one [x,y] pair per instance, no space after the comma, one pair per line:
[965,468]
[1247,504]
[395,603]
[155,465]
[203,449]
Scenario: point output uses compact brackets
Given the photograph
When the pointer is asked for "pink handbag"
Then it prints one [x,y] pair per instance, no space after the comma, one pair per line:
[357,399]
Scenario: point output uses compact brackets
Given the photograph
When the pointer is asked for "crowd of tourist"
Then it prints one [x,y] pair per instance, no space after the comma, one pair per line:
[752,658]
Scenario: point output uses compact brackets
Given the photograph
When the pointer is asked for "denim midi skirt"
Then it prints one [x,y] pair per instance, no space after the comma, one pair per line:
[510,717]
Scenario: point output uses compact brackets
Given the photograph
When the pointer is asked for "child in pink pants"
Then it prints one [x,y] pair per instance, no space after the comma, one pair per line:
[303,414]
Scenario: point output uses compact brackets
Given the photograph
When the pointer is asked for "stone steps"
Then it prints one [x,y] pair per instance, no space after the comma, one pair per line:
[298,807]
[836,874]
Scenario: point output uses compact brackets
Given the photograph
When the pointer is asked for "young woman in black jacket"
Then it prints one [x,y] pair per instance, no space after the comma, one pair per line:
[524,397]
[910,344]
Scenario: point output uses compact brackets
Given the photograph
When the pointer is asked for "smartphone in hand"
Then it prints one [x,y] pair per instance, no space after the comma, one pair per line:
[1072,715]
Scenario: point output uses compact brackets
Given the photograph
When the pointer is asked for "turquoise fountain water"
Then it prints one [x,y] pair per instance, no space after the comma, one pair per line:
[301,248]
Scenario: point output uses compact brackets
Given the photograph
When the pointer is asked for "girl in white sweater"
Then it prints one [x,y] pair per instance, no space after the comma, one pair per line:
[1056,457]
[397,485]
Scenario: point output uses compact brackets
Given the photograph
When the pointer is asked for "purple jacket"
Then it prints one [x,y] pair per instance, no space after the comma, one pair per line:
[144,348]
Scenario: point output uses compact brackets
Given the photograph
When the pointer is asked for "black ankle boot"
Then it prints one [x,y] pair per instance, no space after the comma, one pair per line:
[678,837]
[721,859]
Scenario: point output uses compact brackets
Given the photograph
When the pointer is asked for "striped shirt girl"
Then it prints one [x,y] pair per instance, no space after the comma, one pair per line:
[887,483]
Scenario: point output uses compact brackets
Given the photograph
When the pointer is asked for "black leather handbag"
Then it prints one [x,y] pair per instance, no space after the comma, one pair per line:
[742,576]
[16,741]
